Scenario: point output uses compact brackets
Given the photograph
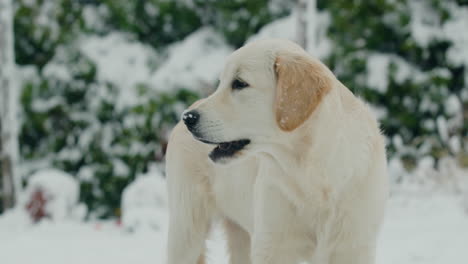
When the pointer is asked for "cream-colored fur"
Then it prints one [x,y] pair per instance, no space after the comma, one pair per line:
[309,187]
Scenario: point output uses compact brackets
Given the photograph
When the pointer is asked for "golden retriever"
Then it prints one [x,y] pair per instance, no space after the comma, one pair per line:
[286,156]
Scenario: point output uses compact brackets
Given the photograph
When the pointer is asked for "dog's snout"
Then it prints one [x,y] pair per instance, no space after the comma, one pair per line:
[191,119]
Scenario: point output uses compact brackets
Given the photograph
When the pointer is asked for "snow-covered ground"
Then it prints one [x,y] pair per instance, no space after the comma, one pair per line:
[423,228]
[420,227]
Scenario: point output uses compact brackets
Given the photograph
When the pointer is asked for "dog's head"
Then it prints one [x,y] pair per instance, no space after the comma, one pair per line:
[267,88]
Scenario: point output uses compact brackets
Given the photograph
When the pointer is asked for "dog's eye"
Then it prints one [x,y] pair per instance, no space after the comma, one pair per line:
[239,84]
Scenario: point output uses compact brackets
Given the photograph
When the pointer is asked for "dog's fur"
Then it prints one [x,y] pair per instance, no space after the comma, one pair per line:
[311,185]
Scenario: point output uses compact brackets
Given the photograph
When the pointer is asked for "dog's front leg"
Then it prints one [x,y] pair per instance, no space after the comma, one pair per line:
[189,221]
[188,228]
[280,235]
[238,241]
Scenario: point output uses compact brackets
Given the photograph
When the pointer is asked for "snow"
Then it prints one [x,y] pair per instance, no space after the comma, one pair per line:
[193,63]
[453,29]
[426,222]
[57,71]
[280,28]
[319,45]
[44,105]
[455,144]
[378,71]
[46,21]
[120,61]
[377,68]
[423,21]
[61,192]
[120,168]
[429,177]
[77,243]
[144,202]
[452,105]
[454,109]
[93,17]
[442,128]
[427,216]
[429,228]
[419,228]
[426,26]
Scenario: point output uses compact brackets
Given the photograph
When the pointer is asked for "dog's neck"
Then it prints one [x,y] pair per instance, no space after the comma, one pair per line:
[319,132]
[316,141]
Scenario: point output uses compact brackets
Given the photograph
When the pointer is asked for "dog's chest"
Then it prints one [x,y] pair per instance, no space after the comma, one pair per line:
[233,188]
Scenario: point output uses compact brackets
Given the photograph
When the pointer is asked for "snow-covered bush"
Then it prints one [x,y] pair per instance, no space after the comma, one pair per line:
[194,61]
[112,77]
[53,194]
[238,20]
[73,122]
[41,26]
[399,56]
[154,22]
[144,202]
[94,112]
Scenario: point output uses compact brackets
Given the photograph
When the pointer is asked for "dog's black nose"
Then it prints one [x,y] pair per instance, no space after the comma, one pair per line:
[191,119]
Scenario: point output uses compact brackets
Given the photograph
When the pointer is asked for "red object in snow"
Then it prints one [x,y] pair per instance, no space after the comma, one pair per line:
[98,226]
[36,206]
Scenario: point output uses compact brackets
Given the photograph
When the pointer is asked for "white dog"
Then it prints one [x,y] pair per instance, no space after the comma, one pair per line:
[291,161]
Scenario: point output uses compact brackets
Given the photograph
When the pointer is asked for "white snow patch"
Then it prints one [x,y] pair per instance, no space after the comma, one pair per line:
[424,228]
[144,202]
[120,168]
[442,128]
[424,22]
[453,29]
[419,228]
[120,61]
[427,177]
[86,173]
[319,44]
[193,63]
[377,70]
[56,70]
[61,192]
[426,26]
[455,144]
[280,28]
[452,105]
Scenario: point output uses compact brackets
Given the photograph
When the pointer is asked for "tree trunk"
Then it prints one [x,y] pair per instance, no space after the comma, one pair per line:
[312,26]
[301,32]
[8,105]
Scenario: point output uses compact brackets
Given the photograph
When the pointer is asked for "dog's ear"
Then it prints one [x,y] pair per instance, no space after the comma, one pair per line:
[301,85]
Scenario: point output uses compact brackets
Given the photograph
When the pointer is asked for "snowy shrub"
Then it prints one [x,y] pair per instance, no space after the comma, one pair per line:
[193,63]
[396,54]
[238,20]
[41,26]
[51,193]
[110,78]
[155,22]
[73,121]
[144,202]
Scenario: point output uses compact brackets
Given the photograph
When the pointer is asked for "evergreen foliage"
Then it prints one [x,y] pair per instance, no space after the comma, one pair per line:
[71,120]
[414,101]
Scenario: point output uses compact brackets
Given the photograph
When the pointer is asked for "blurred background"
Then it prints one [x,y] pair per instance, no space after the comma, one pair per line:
[89,92]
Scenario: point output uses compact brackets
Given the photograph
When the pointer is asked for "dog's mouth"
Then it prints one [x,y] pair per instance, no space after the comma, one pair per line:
[226,149]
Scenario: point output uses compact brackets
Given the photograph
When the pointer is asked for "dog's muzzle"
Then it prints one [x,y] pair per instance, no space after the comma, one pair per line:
[223,150]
